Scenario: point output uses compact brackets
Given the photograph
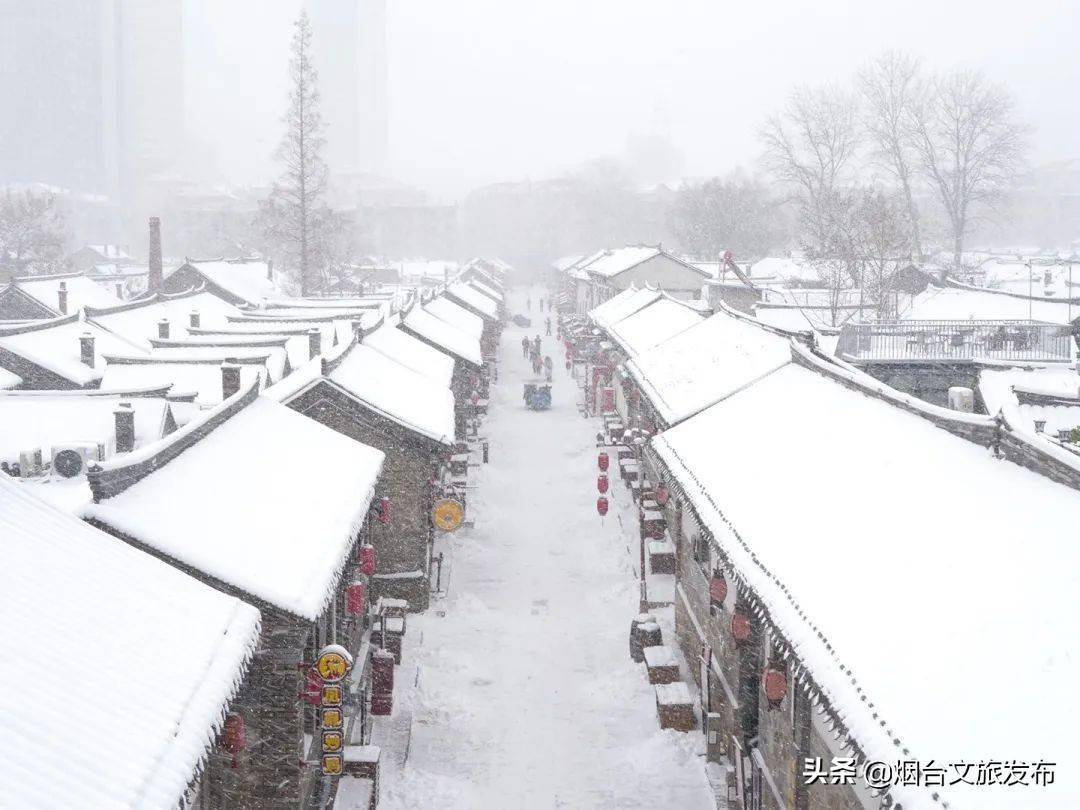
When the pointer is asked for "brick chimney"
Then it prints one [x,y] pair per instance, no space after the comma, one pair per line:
[194,319]
[163,329]
[230,378]
[125,428]
[154,279]
[62,298]
[86,349]
[314,337]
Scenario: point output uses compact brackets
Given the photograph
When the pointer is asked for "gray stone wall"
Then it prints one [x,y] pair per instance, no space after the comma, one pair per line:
[402,545]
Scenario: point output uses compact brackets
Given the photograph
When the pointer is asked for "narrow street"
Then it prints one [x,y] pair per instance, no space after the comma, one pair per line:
[517,689]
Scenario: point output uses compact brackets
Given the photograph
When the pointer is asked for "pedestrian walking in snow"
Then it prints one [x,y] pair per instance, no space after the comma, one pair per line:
[538,365]
[548,366]
[541,304]
[524,347]
[528,302]
[548,324]
[536,344]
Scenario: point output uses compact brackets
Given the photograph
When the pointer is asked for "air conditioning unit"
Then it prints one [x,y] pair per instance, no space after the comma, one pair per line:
[30,463]
[73,459]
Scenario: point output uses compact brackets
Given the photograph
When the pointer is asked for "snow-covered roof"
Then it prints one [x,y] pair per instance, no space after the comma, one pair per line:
[859,547]
[613,262]
[487,290]
[456,315]
[404,396]
[412,353]
[653,324]
[475,299]
[203,378]
[269,502]
[1053,396]
[144,659]
[82,291]
[805,318]
[273,357]
[954,303]
[782,269]
[297,347]
[622,305]
[55,345]
[705,363]
[33,419]
[566,262]
[243,279]
[443,335]
[138,321]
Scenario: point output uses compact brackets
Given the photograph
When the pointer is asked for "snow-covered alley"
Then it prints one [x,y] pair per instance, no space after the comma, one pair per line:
[517,689]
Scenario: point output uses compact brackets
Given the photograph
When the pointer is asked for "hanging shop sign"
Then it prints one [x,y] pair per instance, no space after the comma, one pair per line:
[447,515]
[333,665]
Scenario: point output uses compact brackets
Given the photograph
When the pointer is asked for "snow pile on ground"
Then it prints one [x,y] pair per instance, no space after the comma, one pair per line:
[116,667]
[269,502]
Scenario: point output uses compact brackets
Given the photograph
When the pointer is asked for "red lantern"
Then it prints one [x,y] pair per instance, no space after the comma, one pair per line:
[740,626]
[603,460]
[775,685]
[384,510]
[662,495]
[602,483]
[367,559]
[717,589]
[355,598]
[602,505]
[234,735]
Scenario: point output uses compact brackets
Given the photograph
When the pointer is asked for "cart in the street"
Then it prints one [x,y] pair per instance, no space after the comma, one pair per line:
[537,395]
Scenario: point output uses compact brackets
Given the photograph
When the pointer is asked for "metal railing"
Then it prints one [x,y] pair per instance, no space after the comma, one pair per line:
[1021,341]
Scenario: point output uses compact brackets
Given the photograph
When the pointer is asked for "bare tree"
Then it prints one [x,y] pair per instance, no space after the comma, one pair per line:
[33,234]
[886,233]
[969,145]
[890,87]
[812,145]
[294,216]
[734,213]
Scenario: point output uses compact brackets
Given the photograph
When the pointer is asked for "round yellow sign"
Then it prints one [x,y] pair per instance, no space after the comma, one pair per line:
[447,515]
[333,664]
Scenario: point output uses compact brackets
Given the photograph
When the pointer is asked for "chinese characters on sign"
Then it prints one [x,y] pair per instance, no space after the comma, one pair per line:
[333,665]
[879,774]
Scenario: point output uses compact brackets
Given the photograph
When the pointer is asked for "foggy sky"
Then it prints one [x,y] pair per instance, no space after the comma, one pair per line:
[487,90]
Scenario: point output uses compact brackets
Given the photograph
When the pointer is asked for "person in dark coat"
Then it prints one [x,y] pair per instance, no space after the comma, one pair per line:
[536,344]
[548,366]
[524,347]
[547,322]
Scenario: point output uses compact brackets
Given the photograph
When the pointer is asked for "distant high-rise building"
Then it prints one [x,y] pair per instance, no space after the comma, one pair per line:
[151,89]
[58,95]
[91,95]
[349,51]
